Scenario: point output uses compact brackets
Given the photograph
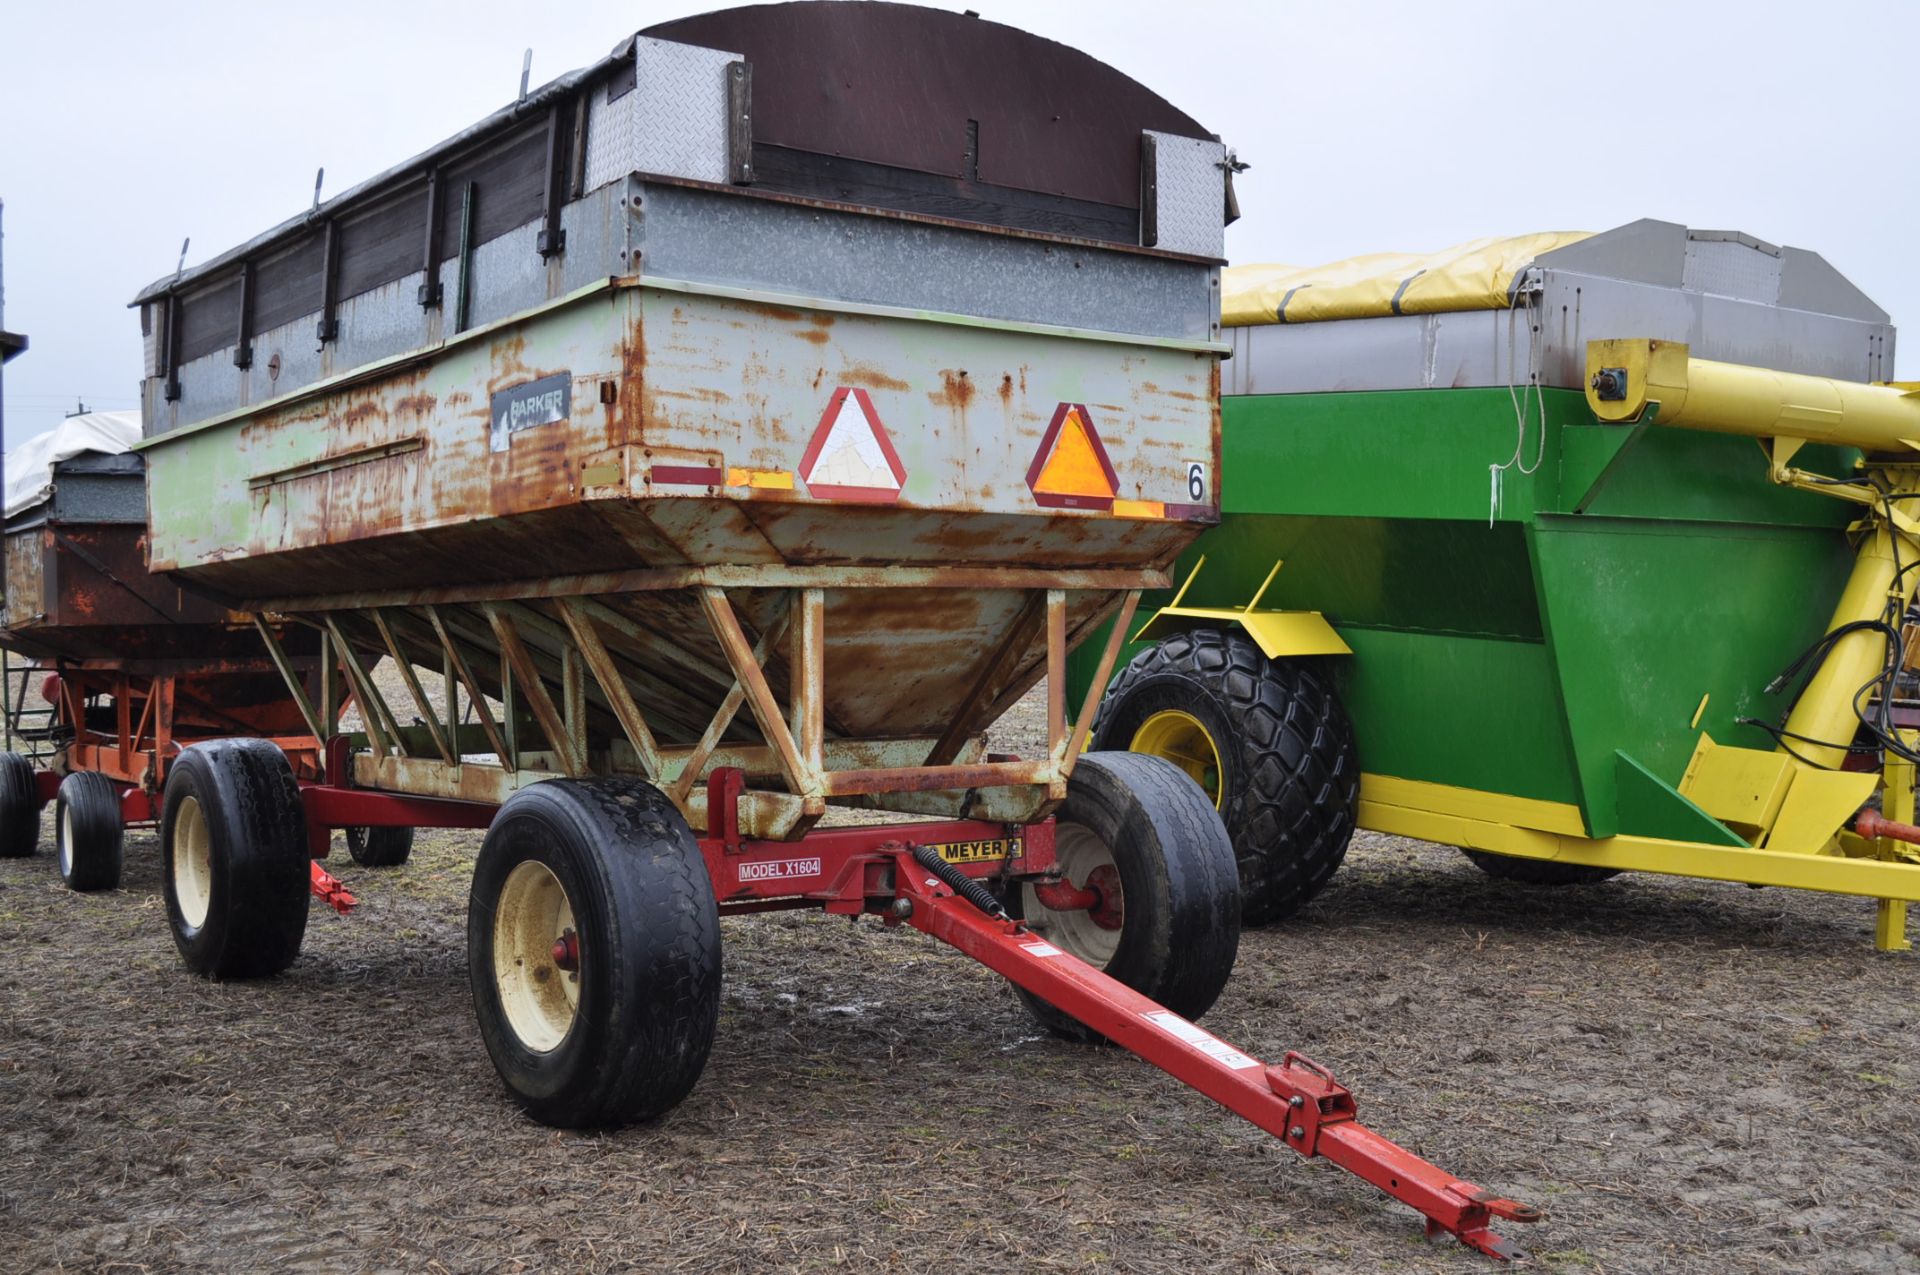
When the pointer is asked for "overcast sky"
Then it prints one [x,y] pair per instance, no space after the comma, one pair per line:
[1371,126]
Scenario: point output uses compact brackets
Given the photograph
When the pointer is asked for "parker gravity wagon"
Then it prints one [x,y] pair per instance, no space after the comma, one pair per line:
[123,669]
[737,426]
[1544,597]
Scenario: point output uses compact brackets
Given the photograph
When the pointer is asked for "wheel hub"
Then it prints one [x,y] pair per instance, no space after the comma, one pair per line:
[536,956]
[192,863]
[1088,929]
[1181,738]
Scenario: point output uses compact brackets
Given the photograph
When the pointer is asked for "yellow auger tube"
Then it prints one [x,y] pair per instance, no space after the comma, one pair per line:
[1625,377]
[1825,709]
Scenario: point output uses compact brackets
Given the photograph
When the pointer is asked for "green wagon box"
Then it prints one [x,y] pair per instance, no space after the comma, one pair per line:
[1502,621]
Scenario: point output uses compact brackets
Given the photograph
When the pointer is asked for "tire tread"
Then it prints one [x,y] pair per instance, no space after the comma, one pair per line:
[1292,812]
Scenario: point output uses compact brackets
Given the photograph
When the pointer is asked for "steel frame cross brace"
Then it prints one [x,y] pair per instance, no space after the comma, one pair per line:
[1298,1101]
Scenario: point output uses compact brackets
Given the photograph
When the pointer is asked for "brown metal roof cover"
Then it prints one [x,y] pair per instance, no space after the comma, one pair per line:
[896,84]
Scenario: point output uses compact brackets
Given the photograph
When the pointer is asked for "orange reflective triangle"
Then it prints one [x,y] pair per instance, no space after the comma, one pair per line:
[1075,468]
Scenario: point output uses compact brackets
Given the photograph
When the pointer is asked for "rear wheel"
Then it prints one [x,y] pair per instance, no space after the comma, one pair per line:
[19,808]
[1506,867]
[1148,842]
[1269,742]
[235,871]
[379,847]
[593,952]
[87,831]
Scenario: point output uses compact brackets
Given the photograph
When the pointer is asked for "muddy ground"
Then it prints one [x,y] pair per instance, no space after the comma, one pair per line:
[1688,1077]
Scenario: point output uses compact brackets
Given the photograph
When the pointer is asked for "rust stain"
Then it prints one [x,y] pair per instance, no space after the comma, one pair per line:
[627,420]
[780,312]
[1006,389]
[817,328]
[695,394]
[871,378]
[362,412]
[956,389]
[1187,396]
[417,405]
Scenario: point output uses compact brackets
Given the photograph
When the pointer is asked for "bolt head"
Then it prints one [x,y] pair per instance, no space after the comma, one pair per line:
[1296,1132]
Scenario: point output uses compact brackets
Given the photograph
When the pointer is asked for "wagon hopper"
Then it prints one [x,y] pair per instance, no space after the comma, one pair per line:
[725,431]
[123,669]
[1568,633]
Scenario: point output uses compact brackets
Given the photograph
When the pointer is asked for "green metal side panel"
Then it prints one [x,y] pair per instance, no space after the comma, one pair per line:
[1645,617]
[1521,657]
[1452,709]
[1649,806]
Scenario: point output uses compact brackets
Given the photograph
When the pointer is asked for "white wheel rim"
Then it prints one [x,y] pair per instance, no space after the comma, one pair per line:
[66,839]
[539,999]
[1079,853]
[192,863]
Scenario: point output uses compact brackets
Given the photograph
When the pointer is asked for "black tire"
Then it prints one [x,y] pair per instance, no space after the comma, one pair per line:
[234,843]
[645,995]
[380,847]
[1288,783]
[19,808]
[87,832]
[1506,867]
[1180,915]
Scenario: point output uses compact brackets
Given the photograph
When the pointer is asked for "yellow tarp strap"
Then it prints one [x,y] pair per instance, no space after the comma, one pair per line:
[1475,275]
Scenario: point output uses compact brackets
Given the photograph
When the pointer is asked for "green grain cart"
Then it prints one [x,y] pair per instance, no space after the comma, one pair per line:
[1452,598]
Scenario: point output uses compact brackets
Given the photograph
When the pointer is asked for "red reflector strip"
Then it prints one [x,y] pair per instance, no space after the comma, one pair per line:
[688,475]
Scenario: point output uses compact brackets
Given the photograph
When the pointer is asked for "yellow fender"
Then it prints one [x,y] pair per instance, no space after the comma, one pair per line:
[1276,633]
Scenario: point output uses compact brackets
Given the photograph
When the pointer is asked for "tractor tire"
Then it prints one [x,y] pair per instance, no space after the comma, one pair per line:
[1506,867]
[1171,929]
[234,865]
[19,808]
[593,952]
[380,847]
[87,831]
[1268,740]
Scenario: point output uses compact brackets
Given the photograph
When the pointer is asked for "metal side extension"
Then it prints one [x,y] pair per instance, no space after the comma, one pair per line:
[1297,1101]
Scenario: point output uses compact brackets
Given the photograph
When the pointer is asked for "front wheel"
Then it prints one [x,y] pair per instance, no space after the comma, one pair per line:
[1149,844]
[19,808]
[87,831]
[233,847]
[1267,739]
[593,952]
[380,847]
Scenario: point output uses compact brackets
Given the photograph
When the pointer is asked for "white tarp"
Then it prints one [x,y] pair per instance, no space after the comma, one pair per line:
[30,465]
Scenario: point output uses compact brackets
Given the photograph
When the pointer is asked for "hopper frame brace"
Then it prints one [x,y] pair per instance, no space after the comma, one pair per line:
[553,666]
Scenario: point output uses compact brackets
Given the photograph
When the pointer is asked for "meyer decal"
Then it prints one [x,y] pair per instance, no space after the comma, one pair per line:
[546,401]
[980,851]
[779,869]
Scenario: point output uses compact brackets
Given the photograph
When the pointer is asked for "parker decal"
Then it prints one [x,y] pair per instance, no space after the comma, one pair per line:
[547,401]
